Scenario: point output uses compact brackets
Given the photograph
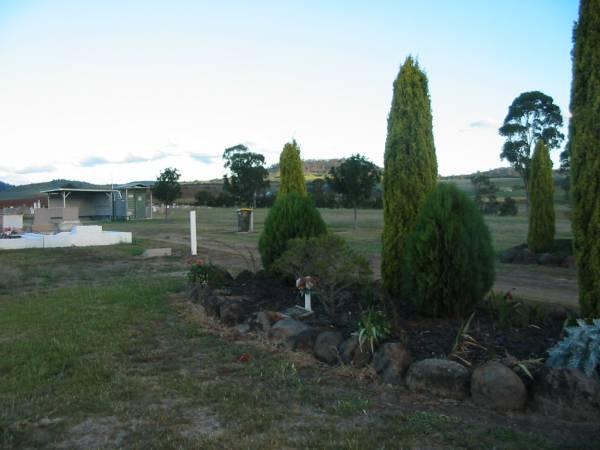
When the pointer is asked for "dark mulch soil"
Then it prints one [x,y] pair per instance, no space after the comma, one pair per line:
[435,337]
[427,336]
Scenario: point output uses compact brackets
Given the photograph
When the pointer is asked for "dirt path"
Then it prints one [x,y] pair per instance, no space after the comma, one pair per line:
[538,283]
[544,284]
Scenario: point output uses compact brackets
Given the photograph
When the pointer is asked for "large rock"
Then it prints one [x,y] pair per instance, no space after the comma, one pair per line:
[264,320]
[233,312]
[212,304]
[566,393]
[326,346]
[351,353]
[391,361]
[286,329]
[439,377]
[305,341]
[495,386]
[347,349]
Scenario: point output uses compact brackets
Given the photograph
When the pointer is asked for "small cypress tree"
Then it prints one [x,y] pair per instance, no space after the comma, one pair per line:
[585,155]
[291,170]
[292,216]
[410,168]
[540,236]
[449,255]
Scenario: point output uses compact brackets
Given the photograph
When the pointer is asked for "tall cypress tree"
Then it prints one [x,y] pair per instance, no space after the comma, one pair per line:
[410,168]
[585,155]
[291,170]
[540,237]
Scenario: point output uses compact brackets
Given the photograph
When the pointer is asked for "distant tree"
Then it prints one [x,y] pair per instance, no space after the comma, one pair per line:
[248,174]
[485,193]
[531,116]
[291,170]
[584,145]
[321,193]
[410,169]
[167,188]
[508,207]
[354,179]
[540,236]
[203,198]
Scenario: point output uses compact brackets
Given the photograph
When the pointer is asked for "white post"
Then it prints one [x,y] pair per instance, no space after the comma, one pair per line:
[193,243]
[307,304]
[252,221]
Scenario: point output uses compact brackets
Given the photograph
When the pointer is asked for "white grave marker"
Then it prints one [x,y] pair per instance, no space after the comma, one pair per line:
[193,243]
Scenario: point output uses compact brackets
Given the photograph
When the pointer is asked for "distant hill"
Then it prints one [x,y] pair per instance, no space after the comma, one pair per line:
[4,186]
[313,168]
[33,190]
[499,172]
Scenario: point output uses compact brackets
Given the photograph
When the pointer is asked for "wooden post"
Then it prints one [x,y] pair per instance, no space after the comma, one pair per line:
[193,243]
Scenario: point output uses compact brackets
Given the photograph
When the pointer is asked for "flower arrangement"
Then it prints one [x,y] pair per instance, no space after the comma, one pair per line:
[198,273]
[306,284]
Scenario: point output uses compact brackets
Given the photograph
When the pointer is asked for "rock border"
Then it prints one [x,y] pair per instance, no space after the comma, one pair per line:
[564,393]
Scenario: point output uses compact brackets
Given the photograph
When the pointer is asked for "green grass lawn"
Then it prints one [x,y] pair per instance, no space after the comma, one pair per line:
[219,224]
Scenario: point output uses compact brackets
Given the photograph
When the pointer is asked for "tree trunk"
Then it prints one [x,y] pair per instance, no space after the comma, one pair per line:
[254,201]
[526,197]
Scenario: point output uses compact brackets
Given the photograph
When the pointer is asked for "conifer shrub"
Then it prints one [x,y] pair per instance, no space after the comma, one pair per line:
[449,256]
[292,216]
[540,236]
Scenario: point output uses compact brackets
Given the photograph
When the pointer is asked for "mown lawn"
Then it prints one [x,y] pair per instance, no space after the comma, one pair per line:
[120,361]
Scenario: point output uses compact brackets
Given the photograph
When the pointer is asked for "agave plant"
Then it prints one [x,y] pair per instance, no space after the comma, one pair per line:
[579,349]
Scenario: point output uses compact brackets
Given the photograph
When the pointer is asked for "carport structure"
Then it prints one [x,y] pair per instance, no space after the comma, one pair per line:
[92,203]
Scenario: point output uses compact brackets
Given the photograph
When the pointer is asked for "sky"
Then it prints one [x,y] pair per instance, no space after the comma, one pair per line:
[114,91]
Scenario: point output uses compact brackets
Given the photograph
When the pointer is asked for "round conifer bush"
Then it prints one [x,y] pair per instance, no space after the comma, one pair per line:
[292,216]
[449,259]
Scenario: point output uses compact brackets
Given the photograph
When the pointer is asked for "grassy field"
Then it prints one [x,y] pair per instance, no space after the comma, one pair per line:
[100,349]
[220,243]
